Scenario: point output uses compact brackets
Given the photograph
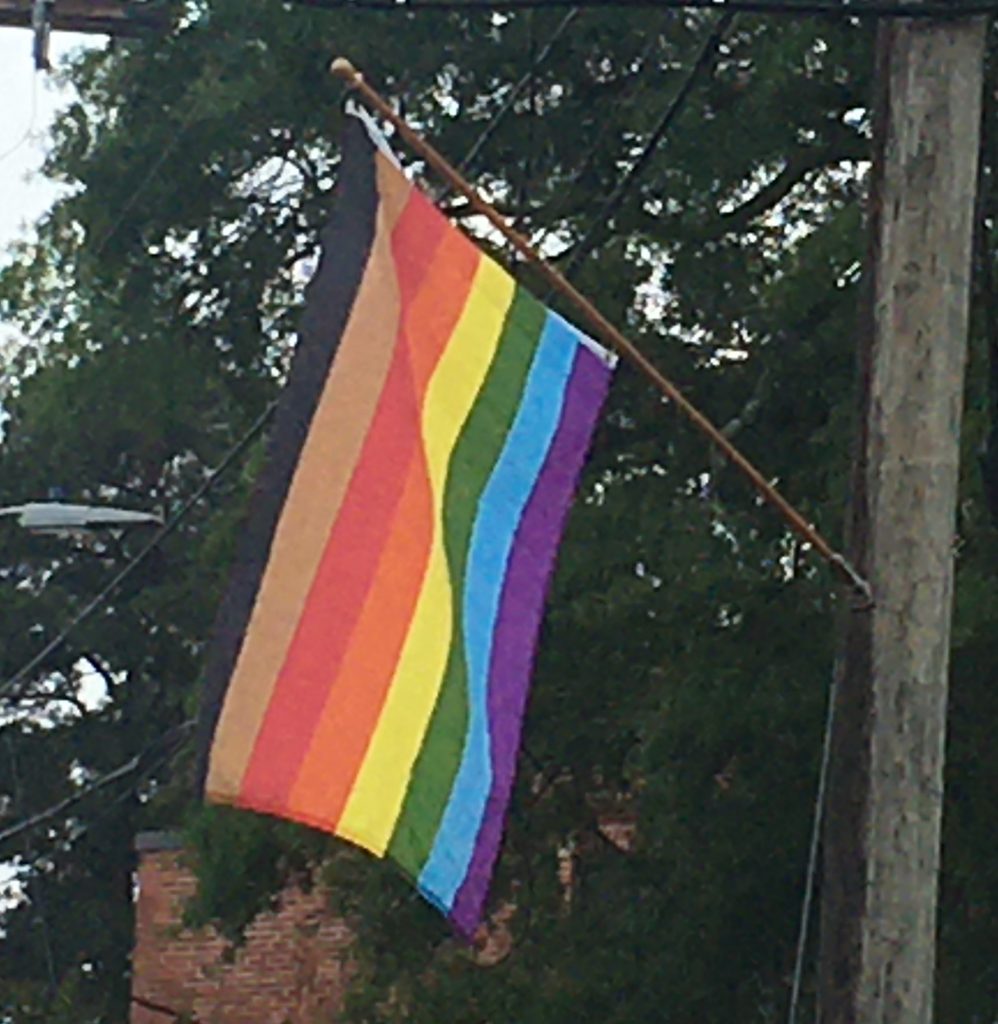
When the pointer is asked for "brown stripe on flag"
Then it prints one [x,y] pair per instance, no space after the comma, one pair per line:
[324,470]
[329,300]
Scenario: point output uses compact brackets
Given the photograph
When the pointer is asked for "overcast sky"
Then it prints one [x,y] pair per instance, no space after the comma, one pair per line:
[28,101]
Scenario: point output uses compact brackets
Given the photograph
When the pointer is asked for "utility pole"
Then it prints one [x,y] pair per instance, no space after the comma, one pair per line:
[882,827]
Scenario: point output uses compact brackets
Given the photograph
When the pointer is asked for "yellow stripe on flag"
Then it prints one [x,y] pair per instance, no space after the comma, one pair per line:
[376,798]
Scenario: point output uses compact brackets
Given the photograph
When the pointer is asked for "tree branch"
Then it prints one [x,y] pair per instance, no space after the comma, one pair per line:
[800,166]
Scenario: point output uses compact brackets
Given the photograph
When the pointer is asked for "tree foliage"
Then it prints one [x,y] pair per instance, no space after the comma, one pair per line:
[686,654]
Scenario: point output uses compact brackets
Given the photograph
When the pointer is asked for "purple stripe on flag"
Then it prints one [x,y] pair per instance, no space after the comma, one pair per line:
[522,605]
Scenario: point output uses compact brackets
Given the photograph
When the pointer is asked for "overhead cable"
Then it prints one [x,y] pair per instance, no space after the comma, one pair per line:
[524,81]
[25,137]
[194,110]
[803,8]
[170,737]
[612,203]
[102,596]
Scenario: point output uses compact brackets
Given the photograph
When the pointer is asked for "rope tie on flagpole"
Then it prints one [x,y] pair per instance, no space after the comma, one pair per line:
[606,331]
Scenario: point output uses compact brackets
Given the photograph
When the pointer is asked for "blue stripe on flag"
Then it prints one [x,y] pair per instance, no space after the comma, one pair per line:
[499,511]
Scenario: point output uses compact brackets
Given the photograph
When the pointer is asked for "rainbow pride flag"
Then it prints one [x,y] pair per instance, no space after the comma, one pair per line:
[371,659]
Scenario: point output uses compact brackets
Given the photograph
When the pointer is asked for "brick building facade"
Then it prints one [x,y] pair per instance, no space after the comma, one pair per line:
[291,969]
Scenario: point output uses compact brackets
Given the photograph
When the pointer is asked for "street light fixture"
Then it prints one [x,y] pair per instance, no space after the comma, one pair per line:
[57,517]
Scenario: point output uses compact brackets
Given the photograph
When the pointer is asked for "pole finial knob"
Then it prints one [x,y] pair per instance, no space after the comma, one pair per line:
[342,68]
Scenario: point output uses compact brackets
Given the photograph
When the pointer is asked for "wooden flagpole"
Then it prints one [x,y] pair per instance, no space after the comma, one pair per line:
[604,329]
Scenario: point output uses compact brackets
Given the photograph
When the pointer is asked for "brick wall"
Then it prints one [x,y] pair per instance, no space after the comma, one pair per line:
[290,970]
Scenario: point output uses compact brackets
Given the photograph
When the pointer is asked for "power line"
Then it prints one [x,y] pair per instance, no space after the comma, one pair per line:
[162,1008]
[154,169]
[193,110]
[151,173]
[525,80]
[26,136]
[174,735]
[601,221]
[837,8]
[595,140]
[99,599]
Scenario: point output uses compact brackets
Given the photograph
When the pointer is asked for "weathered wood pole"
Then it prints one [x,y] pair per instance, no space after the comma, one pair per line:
[882,828]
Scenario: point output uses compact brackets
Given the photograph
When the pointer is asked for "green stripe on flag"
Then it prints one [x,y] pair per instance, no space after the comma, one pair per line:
[475,454]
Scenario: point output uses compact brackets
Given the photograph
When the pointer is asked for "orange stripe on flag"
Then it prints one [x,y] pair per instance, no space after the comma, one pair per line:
[356,699]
